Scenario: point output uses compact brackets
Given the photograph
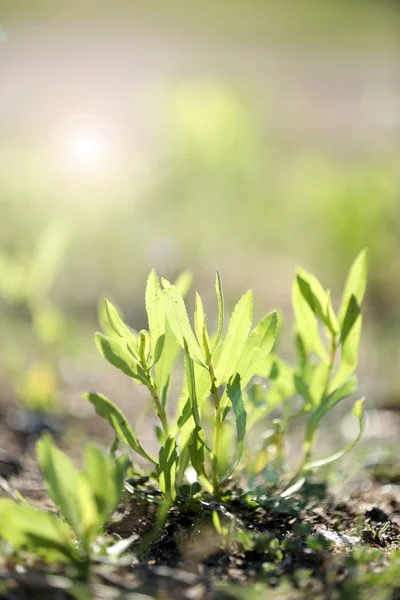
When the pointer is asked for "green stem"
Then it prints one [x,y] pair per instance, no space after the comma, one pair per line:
[311,443]
[159,408]
[217,431]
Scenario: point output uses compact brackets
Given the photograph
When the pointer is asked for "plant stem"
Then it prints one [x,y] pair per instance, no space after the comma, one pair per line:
[217,431]
[311,443]
[159,408]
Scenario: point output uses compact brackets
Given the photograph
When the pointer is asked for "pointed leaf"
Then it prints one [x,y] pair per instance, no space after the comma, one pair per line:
[220,300]
[356,283]
[235,340]
[328,404]
[350,342]
[179,322]
[106,479]
[191,384]
[200,325]
[155,312]
[106,409]
[306,325]
[255,353]
[163,369]
[61,478]
[234,393]
[196,450]
[120,358]
[166,469]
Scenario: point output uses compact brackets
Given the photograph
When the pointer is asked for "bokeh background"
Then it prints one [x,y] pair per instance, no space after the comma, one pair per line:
[246,136]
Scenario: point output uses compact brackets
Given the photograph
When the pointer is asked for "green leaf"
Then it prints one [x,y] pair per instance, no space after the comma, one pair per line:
[317,299]
[163,369]
[332,321]
[23,526]
[200,326]
[220,301]
[235,396]
[106,479]
[120,358]
[61,479]
[254,356]
[106,409]
[328,404]
[350,342]
[179,322]
[312,292]
[144,347]
[318,385]
[170,346]
[115,320]
[358,412]
[90,520]
[166,469]
[235,340]
[183,283]
[155,314]
[191,384]
[350,317]
[356,283]
[306,325]
[196,450]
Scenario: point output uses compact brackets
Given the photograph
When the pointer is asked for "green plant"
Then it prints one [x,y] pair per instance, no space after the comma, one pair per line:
[327,347]
[25,284]
[85,499]
[217,368]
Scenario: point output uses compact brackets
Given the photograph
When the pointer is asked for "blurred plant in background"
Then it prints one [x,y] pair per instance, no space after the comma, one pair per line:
[30,359]
[250,140]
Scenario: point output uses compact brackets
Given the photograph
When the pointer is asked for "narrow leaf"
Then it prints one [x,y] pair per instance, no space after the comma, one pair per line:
[179,322]
[350,342]
[190,379]
[235,340]
[155,313]
[328,404]
[120,358]
[200,325]
[163,369]
[61,478]
[306,325]
[166,469]
[235,395]
[196,450]
[220,301]
[254,357]
[356,283]
[106,409]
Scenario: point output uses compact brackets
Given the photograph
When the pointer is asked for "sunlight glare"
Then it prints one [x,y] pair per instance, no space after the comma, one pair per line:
[87,145]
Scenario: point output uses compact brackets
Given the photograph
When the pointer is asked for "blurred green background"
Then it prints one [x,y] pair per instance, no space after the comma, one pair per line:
[246,136]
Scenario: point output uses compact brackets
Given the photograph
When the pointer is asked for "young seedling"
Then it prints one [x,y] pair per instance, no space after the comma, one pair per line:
[85,499]
[324,376]
[217,368]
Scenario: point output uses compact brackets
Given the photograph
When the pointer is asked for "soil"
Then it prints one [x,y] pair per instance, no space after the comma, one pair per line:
[306,542]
